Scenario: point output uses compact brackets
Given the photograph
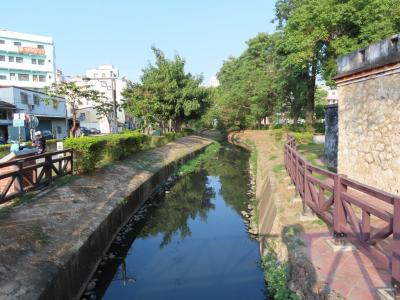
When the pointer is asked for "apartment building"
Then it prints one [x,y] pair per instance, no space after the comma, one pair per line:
[100,78]
[26,60]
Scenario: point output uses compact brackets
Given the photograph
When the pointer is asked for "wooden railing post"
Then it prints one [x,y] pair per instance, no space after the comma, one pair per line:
[307,193]
[48,168]
[339,217]
[20,176]
[72,161]
[396,248]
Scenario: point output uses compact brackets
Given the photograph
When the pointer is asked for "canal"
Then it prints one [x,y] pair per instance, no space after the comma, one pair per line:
[189,241]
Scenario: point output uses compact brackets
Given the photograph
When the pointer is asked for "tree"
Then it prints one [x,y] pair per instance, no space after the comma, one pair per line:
[74,95]
[105,109]
[316,32]
[248,88]
[166,94]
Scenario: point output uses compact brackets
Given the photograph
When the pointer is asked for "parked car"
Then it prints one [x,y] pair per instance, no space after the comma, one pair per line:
[47,134]
[84,130]
[94,131]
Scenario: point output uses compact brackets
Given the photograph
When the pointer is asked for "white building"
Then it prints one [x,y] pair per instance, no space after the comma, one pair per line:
[100,79]
[26,60]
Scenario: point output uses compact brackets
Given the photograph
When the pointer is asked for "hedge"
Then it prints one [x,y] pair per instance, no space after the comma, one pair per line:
[91,152]
[88,152]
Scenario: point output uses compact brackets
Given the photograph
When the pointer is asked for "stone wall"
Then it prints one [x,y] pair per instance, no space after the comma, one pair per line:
[331,134]
[369,131]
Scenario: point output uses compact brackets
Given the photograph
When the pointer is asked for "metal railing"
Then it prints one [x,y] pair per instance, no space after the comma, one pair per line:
[366,216]
[22,175]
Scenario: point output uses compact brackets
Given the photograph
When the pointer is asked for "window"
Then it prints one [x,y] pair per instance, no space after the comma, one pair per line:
[49,60]
[2,58]
[19,60]
[55,103]
[59,130]
[17,43]
[24,98]
[2,41]
[42,78]
[40,46]
[34,61]
[11,58]
[12,76]
[103,75]
[49,76]
[94,75]
[3,77]
[23,77]
[35,78]
[36,100]
[40,62]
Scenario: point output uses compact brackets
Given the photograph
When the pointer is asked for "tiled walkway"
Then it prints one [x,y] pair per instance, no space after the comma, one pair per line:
[352,274]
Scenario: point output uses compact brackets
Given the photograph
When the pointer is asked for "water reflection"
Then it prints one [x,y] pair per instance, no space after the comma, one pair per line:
[193,245]
[189,198]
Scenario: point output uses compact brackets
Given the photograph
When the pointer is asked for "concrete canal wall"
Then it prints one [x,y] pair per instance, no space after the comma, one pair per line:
[51,245]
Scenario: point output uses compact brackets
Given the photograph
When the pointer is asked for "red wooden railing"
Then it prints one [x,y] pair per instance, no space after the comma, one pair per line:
[22,175]
[366,216]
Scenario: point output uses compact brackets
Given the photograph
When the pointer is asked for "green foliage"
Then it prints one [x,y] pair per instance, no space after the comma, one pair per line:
[74,96]
[88,151]
[91,152]
[302,137]
[276,275]
[120,146]
[166,92]
[277,74]
[247,84]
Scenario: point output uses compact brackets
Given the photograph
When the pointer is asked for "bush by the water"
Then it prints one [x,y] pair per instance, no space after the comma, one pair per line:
[276,276]
[91,152]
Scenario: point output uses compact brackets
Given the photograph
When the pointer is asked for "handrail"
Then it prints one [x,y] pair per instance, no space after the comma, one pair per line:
[24,174]
[333,199]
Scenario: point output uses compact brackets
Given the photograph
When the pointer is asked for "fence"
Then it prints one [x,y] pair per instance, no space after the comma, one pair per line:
[22,175]
[368,217]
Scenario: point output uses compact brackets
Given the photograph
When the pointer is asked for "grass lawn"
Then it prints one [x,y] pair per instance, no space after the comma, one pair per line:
[314,154]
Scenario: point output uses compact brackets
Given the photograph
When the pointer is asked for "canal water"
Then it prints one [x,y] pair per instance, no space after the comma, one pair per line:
[189,242]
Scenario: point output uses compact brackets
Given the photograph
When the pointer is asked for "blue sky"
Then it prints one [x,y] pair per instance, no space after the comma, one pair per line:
[120,32]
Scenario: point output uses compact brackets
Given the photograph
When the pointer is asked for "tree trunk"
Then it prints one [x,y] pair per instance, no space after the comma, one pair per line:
[74,127]
[310,100]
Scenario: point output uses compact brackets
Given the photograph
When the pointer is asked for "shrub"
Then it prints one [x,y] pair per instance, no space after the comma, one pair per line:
[278,133]
[120,146]
[277,275]
[303,137]
[88,152]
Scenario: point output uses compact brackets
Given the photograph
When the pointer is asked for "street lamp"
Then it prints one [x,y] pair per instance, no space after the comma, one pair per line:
[114,122]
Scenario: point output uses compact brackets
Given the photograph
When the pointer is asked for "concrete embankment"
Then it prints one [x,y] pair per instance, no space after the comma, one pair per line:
[278,217]
[50,246]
